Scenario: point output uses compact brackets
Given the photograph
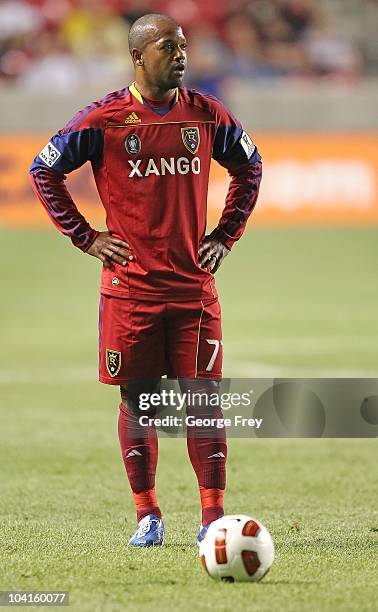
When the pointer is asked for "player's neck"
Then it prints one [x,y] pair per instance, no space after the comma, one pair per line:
[152,92]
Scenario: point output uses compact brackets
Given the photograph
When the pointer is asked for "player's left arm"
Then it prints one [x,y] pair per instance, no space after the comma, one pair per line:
[234,150]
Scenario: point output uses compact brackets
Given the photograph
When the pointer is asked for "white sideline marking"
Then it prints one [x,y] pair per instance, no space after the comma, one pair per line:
[233,369]
[55,376]
[251,369]
[310,344]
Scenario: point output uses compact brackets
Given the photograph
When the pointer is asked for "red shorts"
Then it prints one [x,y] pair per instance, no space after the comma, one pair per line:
[141,339]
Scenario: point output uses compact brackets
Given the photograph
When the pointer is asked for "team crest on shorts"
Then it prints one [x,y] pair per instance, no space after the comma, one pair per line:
[113,362]
[191,138]
[133,144]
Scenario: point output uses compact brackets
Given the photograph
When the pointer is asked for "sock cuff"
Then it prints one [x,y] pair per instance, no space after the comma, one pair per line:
[211,496]
[146,503]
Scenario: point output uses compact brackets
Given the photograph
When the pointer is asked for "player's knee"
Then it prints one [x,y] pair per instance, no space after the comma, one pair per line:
[199,385]
[203,401]
[135,395]
[203,395]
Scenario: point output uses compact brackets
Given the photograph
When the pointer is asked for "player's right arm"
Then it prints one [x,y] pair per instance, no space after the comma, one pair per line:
[80,141]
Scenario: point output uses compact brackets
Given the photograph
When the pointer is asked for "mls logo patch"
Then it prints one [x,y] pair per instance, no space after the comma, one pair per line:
[133,144]
[191,138]
[50,154]
[247,144]
[113,362]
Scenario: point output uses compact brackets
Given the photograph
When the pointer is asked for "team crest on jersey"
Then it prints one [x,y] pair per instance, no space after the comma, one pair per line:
[133,144]
[113,362]
[191,138]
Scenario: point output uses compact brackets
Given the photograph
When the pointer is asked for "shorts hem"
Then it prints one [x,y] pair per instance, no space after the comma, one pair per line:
[209,375]
[105,380]
[206,375]
[112,381]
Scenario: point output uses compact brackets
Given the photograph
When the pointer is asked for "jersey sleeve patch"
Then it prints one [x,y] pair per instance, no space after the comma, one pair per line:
[247,144]
[49,154]
[67,152]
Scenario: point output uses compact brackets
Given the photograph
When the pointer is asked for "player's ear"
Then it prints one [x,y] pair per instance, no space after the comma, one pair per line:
[137,57]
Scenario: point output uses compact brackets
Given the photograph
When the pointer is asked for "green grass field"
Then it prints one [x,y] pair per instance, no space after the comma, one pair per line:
[299,302]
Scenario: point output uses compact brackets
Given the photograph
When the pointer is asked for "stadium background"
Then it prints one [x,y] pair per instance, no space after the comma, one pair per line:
[299,296]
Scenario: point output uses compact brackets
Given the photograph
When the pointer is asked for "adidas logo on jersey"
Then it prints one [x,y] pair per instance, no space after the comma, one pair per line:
[132,118]
[133,453]
[161,167]
[219,455]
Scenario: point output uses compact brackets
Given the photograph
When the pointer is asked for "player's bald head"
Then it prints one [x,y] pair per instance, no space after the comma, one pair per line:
[149,28]
[158,50]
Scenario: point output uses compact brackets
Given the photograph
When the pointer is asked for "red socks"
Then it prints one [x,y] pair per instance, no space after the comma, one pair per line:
[208,457]
[139,446]
[212,504]
[146,503]
[207,448]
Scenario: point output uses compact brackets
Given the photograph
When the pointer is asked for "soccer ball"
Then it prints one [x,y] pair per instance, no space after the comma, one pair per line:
[237,548]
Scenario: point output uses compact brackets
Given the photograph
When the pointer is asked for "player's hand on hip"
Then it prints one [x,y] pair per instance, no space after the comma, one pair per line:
[211,254]
[111,250]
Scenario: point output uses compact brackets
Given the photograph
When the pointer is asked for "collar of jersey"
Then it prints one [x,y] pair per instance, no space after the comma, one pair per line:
[134,91]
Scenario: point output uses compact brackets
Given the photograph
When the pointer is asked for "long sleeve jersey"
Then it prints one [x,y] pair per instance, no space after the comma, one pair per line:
[152,173]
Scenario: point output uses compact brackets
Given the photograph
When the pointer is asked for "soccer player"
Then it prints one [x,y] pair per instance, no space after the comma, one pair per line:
[150,146]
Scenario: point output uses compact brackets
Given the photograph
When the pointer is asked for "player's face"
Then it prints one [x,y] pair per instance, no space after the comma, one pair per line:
[164,58]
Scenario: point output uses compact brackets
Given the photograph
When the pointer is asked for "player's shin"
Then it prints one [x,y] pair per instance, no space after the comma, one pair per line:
[207,448]
[139,447]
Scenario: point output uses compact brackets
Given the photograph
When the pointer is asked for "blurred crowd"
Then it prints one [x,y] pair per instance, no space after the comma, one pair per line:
[61,45]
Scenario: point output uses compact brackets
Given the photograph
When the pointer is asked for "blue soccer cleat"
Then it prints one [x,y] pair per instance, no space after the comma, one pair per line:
[150,532]
[202,533]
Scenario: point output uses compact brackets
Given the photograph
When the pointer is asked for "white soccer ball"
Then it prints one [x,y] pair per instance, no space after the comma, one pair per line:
[237,548]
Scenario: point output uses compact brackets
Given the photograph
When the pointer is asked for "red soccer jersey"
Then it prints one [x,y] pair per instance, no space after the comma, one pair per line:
[152,172]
